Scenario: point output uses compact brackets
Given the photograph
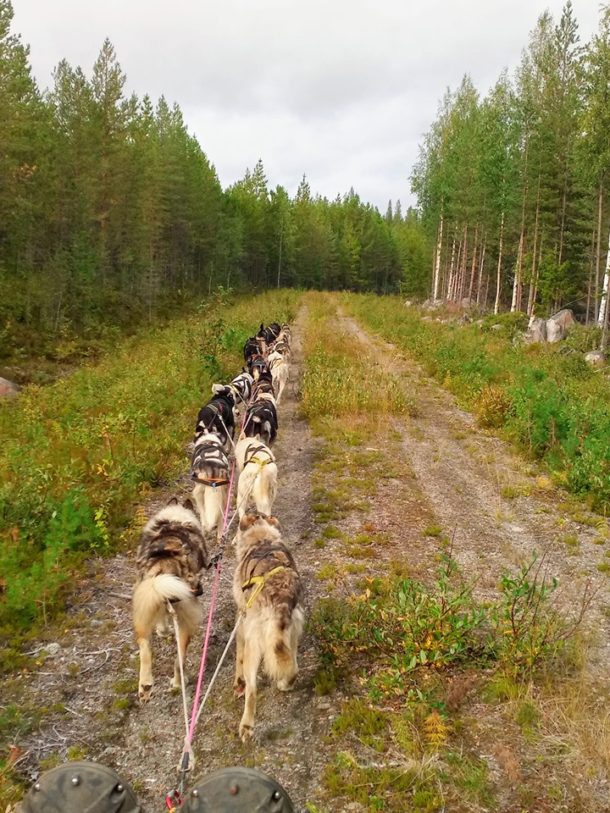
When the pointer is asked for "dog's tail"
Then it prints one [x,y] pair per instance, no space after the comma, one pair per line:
[264,488]
[282,637]
[150,596]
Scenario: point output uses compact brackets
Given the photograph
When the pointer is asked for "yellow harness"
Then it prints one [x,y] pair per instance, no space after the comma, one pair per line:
[259,461]
[259,581]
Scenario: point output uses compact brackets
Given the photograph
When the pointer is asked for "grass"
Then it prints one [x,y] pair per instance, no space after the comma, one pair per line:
[548,401]
[425,675]
[76,455]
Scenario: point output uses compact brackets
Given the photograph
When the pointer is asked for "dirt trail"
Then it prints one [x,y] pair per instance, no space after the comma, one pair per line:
[88,683]
[463,471]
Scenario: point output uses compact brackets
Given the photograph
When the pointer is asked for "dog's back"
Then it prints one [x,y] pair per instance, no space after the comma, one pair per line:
[258,476]
[217,416]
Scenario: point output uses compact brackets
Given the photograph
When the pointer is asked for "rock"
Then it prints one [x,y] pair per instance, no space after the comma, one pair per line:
[558,325]
[408,303]
[432,304]
[496,328]
[536,330]
[467,302]
[8,388]
[52,649]
[596,358]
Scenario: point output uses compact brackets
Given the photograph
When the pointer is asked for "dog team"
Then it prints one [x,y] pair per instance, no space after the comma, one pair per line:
[173,552]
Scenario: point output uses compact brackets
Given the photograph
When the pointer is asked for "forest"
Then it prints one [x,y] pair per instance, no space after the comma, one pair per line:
[513,186]
[111,212]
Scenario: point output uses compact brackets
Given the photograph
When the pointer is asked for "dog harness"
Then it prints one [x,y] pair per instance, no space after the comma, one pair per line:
[209,454]
[252,455]
[259,581]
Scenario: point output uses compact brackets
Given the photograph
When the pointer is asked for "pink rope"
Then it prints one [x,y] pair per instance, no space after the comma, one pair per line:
[211,612]
[213,600]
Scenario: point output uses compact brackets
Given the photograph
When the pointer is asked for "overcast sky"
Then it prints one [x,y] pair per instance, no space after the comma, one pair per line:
[341,90]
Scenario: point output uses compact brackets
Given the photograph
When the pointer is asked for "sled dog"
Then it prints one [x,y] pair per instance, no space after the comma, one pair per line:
[171,556]
[268,593]
[258,476]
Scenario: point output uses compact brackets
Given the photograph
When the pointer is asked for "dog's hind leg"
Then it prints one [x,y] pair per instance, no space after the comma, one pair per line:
[251,662]
[199,498]
[146,679]
[184,636]
[239,684]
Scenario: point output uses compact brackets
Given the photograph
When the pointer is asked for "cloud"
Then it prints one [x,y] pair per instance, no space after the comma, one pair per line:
[340,89]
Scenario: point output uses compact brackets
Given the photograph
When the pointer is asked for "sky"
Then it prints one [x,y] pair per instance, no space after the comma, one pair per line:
[341,90]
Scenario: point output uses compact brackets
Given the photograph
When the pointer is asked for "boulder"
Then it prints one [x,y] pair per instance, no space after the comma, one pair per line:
[596,358]
[557,326]
[408,303]
[7,388]
[536,330]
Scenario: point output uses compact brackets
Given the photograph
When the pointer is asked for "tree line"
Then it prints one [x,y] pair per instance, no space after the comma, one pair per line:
[514,186]
[110,209]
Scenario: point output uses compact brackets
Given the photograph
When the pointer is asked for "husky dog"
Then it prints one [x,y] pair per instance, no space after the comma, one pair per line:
[268,592]
[261,419]
[171,555]
[240,388]
[217,417]
[210,471]
[258,476]
[268,335]
[257,367]
[263,385]
[278,365]
[251,348]
[282,346]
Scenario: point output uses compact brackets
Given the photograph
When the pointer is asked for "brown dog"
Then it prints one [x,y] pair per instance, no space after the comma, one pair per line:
[171,555]
[268,592]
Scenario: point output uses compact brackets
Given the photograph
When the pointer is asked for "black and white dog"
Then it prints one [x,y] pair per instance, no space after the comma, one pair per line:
[252,349]
[240,388]
[217,417]
[261,421]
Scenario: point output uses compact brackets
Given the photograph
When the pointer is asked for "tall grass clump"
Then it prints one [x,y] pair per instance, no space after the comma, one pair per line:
[76,455]
[543,397]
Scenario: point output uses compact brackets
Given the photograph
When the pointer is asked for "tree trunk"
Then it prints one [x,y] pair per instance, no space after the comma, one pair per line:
[590,281]
[451,268]
[516,301]
[499,273]
[279,262]
[480,280]
[531,297]
[562,229]
[462,276]
[437,266]
[603,307]
[474,262]
[596,300]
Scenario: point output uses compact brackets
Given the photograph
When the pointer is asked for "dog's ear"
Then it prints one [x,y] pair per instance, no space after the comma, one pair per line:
[173,501]
[273,521]
[189,505]
[247,521]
